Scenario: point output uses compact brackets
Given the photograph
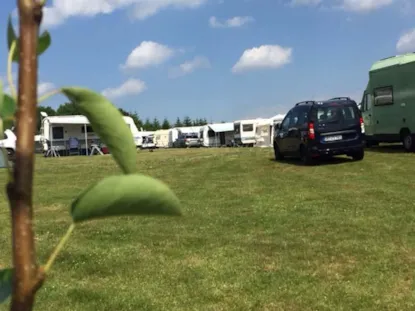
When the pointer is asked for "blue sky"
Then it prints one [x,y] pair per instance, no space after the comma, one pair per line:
[223,60]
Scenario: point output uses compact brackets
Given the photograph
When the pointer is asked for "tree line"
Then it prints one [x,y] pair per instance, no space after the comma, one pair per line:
[148,125]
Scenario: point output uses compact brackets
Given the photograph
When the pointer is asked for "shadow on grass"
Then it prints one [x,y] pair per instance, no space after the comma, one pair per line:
[395,148]
[318,162]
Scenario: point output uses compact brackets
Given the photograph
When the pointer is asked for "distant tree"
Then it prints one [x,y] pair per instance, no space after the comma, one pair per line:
[156,124]
[166,124]
[50,112]
[148,126]
[203,121]
[67,109]
[187,121]
[178,123]
[136,119]
[196,122]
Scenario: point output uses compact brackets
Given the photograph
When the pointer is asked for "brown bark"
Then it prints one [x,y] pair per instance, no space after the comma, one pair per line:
[27,276]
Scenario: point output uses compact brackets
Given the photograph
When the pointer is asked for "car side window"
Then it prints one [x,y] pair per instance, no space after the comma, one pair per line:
[302,116]
[286,123]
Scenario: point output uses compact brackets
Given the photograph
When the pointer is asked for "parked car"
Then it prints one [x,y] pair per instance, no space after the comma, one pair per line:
[313,129]
[187,140]
[9,143]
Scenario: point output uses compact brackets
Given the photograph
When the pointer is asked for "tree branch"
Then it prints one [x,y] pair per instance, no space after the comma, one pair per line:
[27,276]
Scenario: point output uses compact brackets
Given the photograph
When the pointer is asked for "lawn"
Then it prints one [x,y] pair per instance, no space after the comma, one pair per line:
[255,235]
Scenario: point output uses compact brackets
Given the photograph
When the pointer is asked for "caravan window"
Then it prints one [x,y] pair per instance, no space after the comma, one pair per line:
[384,96]
[88,129]
[57,132]
[237,128]
[247,128]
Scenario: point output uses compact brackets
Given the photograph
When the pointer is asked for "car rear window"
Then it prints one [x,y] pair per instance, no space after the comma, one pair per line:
[336,113]
[193,135]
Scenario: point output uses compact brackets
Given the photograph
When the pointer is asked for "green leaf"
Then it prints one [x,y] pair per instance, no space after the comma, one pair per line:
[43,43]
[6,283]
[11,34]
[125,195]
[107,121]
[8,111]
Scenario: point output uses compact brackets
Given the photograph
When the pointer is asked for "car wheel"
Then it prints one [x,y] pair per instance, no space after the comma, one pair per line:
[359,155]
[306,157]
[11,154]
[408,142]
[278,155]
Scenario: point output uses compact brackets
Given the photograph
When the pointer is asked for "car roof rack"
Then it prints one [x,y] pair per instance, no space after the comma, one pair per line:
[340,98]
[306,102]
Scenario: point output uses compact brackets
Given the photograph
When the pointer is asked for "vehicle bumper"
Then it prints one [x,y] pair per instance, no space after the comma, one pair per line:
[317,151]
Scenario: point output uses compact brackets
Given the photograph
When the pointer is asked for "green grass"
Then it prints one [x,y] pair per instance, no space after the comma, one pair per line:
[255,235]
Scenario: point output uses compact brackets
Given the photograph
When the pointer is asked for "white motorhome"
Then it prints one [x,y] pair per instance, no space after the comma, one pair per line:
[162,139]
[245,132]
[56,131]
[217,135]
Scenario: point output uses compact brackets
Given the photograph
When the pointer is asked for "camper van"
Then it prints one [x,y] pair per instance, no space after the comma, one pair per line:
[245,132]
[388,103]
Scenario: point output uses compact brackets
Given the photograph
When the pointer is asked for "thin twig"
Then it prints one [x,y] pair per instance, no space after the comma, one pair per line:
[58,248]
[9,69]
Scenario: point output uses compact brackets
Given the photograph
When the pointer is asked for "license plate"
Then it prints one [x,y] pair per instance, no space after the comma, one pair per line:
[333,138]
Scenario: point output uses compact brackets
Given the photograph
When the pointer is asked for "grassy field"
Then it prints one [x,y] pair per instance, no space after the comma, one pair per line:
[255,235]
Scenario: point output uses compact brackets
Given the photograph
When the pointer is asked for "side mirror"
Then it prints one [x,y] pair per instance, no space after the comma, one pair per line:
[277,126]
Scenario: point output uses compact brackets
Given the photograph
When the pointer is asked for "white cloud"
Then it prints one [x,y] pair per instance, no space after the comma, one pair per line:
[199,62]
[365,5]
[234,22]
[44,87]
[357,6]
[305,2]
[147,54]
[264,56]
[129,87]
[60,10]
[406,42]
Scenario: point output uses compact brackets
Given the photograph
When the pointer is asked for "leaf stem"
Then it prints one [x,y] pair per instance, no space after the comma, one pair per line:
[58,248]
[47,95]
[9,69]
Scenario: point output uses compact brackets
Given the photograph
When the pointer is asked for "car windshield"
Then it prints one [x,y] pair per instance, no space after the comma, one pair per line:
[334,113]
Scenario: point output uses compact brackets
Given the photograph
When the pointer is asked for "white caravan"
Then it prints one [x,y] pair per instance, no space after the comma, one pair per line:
[245,132]
[175,133]
[56,130]
[161,138]
[217,135]
[265,131]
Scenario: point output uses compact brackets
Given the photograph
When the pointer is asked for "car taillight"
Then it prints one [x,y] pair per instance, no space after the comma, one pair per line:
[362,126]
[311,133]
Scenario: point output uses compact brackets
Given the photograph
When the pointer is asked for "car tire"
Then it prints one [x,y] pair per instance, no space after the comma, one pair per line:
[306,158]
[358,155]
[408,142]
[277,154]
[11,154]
